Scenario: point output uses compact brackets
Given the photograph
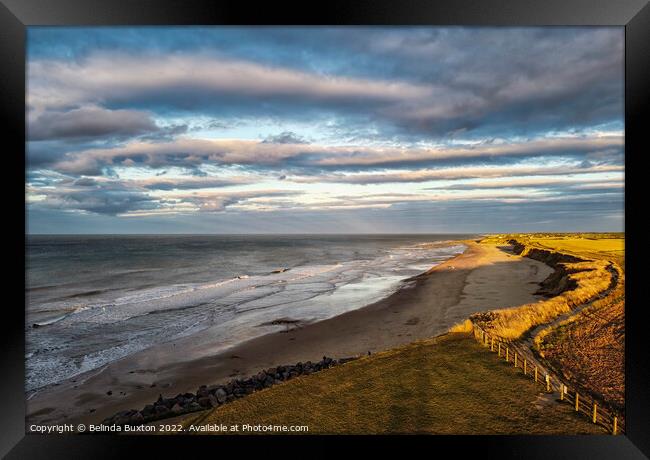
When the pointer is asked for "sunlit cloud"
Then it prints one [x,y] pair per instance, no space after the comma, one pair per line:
[188,152]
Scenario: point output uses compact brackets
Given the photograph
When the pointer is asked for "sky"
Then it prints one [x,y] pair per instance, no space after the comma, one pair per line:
[324,129]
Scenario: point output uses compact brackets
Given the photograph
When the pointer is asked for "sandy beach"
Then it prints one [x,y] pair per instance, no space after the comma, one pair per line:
[483,277]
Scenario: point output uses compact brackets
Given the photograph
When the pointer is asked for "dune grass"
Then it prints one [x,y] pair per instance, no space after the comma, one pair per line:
[591,278]
[445,385]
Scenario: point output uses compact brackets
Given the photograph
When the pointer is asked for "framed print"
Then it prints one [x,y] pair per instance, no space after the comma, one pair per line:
[362,220]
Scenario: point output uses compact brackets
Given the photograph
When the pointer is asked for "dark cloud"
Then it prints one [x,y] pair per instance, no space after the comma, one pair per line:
[189,184]
[90,122]
[285,137]
[85,182]
[110,201]
[417,81]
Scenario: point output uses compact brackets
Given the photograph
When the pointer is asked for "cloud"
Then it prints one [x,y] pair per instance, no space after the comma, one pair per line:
[111,201]
[219,201]
[285,137]
[85,182]
[152,195]
[192,152]
[373,128]
[436,81]
[453,173]
[537,182]
[88,122]
[120,77]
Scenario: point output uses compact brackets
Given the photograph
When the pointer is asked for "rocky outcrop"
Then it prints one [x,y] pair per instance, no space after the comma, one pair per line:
[207,397]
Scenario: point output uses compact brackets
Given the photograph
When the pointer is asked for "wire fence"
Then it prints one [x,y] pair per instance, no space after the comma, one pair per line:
[523,359]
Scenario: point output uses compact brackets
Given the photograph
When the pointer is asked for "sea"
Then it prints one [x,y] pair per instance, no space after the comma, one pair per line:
[91,300]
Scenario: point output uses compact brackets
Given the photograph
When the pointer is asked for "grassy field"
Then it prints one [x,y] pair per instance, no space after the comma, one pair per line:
[445,385]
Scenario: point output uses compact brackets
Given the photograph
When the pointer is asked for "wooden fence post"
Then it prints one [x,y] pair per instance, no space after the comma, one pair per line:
[561,392]
[548,383]
[615,427]
[492,345]
[594,416]
[499,353]
[525,365]
[535,374]
[507,353]
[577,400]
[515,359]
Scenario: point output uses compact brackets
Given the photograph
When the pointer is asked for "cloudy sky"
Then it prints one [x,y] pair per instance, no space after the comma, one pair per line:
[324,130]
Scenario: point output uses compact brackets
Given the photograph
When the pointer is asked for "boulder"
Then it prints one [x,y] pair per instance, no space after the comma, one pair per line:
[202,392]
[221,395]
[194,406]
[177,408]
[204,401]
[213,389]
[212,400]
[160,409]
[121,420]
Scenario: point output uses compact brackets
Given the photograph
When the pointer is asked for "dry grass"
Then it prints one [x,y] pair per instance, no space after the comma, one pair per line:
[589,347]
[446,385]
[464,326]
[591,279]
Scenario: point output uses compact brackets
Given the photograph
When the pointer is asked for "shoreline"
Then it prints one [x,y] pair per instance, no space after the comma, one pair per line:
[478,279]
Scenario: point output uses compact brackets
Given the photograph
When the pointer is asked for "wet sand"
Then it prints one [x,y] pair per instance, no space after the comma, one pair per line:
[482,278]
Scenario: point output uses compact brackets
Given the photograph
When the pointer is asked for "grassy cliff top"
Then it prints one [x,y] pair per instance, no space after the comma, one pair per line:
[608,246]
[445,385]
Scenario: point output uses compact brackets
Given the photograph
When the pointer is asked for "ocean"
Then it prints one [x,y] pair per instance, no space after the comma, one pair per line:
[95,299]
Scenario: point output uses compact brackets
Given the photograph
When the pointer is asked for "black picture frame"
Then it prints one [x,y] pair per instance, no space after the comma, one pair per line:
[634,15]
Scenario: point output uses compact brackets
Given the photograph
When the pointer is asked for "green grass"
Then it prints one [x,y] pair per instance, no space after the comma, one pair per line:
[445,385]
